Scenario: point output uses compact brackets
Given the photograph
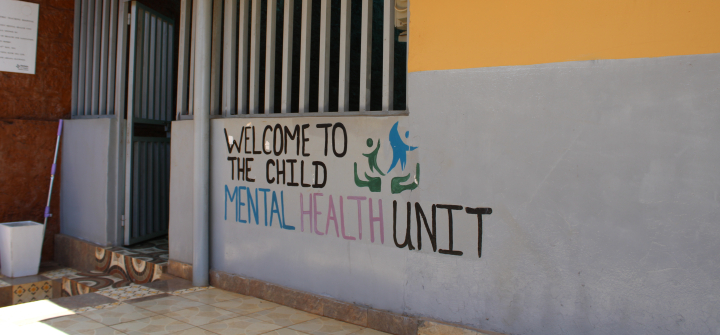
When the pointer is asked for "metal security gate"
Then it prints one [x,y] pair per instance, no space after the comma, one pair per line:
[149,112]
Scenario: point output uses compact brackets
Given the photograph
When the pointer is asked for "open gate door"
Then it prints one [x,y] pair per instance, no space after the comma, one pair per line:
[149,112]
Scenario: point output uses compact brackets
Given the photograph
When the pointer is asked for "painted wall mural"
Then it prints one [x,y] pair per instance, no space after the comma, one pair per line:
[293,176]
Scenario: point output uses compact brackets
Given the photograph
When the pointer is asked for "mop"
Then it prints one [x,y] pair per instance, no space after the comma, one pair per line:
[52,177]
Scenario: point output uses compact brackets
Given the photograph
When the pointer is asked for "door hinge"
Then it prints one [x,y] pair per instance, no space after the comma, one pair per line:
[122,220]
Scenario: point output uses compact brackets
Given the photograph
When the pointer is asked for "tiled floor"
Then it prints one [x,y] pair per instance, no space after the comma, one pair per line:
[167,307]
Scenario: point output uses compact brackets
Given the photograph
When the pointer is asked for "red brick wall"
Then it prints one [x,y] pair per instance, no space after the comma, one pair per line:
[30,106]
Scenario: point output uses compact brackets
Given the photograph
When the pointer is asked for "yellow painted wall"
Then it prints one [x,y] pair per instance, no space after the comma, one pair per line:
[460,34]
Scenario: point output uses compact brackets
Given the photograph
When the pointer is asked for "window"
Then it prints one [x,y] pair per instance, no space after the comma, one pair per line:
[295,56]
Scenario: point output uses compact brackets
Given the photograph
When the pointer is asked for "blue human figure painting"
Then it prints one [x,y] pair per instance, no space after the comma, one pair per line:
[399,148]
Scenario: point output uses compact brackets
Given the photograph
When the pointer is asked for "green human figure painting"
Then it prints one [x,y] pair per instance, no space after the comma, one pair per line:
[373,183]
[372,157]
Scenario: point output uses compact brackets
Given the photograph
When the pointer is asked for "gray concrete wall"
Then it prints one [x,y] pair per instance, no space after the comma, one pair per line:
[600,175]
[180,231]
[84,201]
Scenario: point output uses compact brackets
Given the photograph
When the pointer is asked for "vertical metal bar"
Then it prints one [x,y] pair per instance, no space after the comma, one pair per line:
[164,108]
[97,40]
[138,39]
[104,50]
[286,85]
[166,219]
[147,188]
[156,186]
[158,60]
[344,81]
[270,51]
[365,54]
[215,65]
[145,64]
[136,220]
[170,67]
[305,20]
[111,65]
[242,86]
[77,28]
[90,28]
[324,68]
[229,58]
[183,57]
[191,88]
[388,55]
[254,99]
[164,187]
[125,177]
[201,149]
[150,63]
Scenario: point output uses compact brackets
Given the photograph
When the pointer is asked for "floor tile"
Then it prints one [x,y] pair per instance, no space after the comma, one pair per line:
[201,315]
[131,291]
[240,325]
[147,298]
[32,312]
[326,326]
[167,304]
[170,285]
[73,324]
[283,316]
[94,308]
[285,331]
[246,305]
[4,283]
[44,329]
[58,274]
[190,290]
[155,325]
[211,296]
[368,331]
[83,300]
[118,314]
[194,331]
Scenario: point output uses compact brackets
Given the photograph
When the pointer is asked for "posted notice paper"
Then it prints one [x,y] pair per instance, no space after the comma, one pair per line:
[18,36]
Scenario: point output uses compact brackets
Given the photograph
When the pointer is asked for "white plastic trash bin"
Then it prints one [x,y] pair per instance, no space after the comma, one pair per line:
[20,247]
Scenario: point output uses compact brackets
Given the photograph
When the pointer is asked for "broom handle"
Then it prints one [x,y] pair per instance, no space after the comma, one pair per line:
[52,173]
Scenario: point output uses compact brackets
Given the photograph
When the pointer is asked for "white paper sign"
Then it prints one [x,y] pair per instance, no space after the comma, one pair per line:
[18,36]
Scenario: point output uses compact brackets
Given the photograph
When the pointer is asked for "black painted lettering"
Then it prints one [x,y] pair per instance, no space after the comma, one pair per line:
[270,128]
[233,144]
[302,175]
[267,171]
[325,126]
[304,139]
[232,169]
[281,172]
[240,168]
[479,212]
[344,131]
[295,136]
[278,131]
[292,172]
[316,184]
[450,208]
[419,214]
[408,240]
[255,152]
[248,169]
[247,137]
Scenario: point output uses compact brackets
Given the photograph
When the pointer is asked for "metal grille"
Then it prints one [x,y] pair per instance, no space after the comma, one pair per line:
[243,81]
[94,58]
